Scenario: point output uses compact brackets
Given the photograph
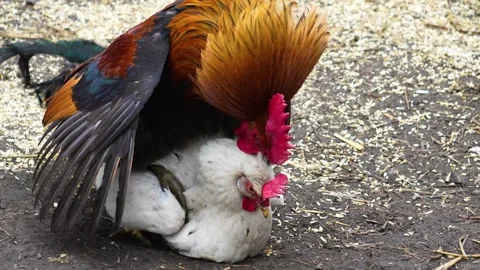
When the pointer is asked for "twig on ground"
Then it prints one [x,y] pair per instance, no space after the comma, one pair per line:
[300,262]
[408,252]
[452,158]
[458,257]
[476,241]
[448,253]
[461,243]
[7,233]
[241,265]
[436,141]
[407,101]
[8,34]
[449,264]
[353,144]
[17,156]
[473,218]
[367,172]
[441,27]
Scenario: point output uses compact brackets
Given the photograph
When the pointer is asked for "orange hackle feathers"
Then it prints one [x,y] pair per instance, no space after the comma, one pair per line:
[61,105]
[239,53]
[188,35]
[261,48]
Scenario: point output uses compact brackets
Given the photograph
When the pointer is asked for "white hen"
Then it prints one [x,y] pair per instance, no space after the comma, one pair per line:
[216,184]
[228,186]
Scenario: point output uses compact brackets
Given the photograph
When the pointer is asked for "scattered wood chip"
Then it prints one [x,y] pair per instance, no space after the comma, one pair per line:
[62,259]
[354,144]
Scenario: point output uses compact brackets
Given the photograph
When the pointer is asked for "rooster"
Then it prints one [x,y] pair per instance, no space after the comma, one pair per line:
[75,51]
[223,212]
[196,68]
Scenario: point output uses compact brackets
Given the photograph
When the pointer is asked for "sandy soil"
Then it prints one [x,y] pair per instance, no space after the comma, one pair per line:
[386,170]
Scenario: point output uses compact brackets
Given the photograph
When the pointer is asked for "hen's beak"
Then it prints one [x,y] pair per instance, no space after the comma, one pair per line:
[265,211]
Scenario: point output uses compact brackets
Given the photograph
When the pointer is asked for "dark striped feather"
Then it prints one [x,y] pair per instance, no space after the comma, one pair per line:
[76,150]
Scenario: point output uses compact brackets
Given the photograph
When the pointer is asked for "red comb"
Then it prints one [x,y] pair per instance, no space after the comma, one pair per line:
[276,131]
[275,187]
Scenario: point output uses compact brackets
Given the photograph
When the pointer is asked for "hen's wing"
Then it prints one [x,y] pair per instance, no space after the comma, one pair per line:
[149,206]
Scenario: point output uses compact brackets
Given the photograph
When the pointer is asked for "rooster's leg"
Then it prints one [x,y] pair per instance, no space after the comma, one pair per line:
[170,181]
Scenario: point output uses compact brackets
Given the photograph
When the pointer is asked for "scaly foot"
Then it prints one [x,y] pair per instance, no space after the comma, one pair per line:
[170,181]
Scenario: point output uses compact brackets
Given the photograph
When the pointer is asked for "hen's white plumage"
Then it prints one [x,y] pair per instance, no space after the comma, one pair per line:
[218,228]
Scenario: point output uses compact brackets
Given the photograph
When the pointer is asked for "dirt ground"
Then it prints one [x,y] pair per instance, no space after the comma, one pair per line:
[386,170]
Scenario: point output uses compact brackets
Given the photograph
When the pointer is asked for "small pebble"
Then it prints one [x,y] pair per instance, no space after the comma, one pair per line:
[457,180]
[415,197]
[31,2]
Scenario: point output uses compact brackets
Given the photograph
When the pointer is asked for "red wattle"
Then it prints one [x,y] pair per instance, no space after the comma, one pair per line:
[247,139]
[248,204]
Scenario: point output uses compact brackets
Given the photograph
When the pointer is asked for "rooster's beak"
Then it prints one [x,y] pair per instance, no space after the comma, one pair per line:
[265,211]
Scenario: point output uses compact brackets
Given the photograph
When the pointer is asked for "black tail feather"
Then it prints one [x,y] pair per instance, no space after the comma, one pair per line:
[74,51]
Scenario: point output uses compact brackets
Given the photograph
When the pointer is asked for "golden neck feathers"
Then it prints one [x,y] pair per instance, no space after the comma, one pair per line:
[239,53]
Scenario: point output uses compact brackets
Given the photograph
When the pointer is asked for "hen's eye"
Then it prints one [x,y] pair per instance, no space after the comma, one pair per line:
[249,187]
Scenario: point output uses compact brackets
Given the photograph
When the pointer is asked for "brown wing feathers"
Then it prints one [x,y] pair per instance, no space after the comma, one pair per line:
[83,137]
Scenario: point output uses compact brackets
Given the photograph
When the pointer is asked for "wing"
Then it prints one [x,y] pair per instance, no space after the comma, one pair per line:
[93,119]
[149,206]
